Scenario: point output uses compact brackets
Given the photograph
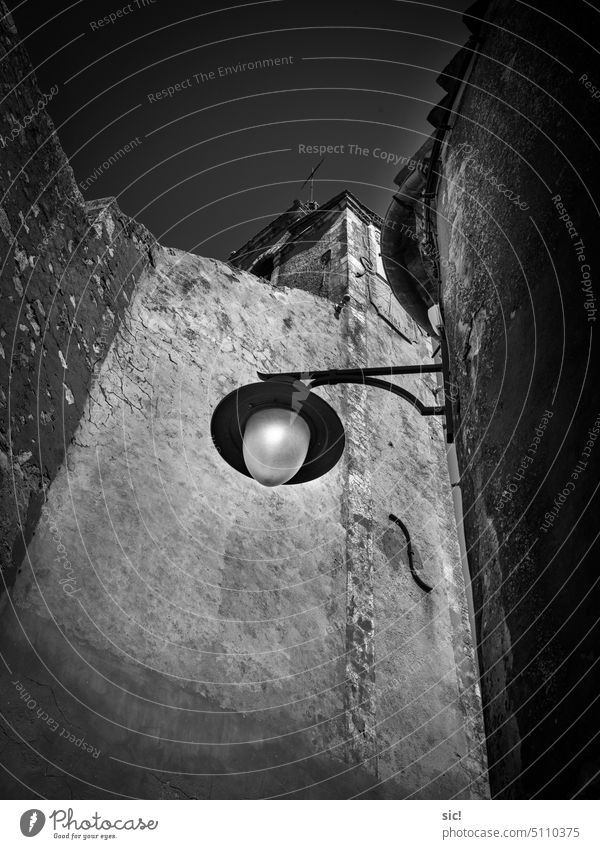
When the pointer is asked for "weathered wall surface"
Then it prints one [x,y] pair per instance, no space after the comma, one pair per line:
[67,271]
[335,253]
[518,222]
[426,687]
[191,626]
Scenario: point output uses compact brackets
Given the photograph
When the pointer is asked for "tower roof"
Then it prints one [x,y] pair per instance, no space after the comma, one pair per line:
[300,214]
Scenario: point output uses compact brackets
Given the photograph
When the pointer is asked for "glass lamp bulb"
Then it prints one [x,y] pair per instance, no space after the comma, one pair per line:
[275,445]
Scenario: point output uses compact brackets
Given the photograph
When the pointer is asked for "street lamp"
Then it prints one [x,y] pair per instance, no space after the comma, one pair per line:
[279,432]
[275,445]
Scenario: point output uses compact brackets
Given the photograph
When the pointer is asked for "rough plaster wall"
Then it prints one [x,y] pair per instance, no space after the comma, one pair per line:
[428,719]
[520,340]
[381,332]
[67,271]
[195,621]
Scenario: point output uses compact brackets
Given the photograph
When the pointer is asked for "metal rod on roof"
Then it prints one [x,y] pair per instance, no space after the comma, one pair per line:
[311,178]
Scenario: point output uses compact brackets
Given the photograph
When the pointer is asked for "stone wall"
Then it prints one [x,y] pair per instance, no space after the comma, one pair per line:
[68,270]
[518,217]
[312,260]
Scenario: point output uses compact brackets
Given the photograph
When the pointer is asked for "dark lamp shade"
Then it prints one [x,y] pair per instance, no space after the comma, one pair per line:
[277,432]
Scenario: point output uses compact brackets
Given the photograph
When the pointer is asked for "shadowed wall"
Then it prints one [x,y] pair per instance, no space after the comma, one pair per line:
[517,222]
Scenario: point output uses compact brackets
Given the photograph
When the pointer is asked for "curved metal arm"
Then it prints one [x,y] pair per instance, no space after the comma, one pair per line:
[425,587]
[366,377]
[382,384]
[379,371]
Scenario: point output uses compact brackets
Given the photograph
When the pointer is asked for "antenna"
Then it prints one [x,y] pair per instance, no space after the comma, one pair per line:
[311,178]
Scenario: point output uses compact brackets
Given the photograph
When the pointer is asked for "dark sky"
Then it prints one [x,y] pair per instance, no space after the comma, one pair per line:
[219,158]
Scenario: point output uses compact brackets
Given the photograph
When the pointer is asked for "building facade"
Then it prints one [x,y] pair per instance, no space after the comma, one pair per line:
[503,210]
[168,627]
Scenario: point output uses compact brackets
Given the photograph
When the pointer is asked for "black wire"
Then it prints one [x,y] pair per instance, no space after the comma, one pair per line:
[425,587]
